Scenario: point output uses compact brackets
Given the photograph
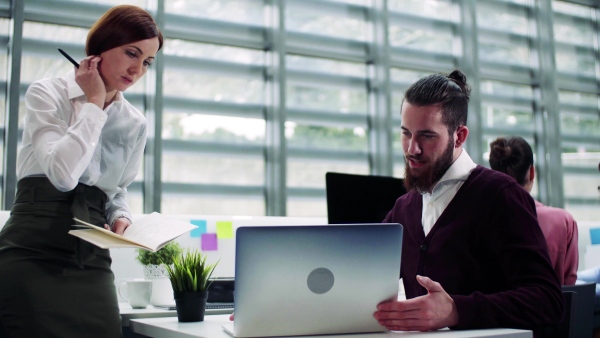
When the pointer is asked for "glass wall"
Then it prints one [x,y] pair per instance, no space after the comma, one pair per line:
[577,63]
[253,101]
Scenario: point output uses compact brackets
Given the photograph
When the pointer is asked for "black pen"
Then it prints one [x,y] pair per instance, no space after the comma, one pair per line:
[68,57]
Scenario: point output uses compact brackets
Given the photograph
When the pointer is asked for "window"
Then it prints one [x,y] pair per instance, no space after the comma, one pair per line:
[213,120]
[576,63]
[257,102]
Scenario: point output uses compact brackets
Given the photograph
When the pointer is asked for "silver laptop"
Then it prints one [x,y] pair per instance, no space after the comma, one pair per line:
[309,280]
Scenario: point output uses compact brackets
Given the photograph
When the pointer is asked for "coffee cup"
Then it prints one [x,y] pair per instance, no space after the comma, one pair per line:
[137,293]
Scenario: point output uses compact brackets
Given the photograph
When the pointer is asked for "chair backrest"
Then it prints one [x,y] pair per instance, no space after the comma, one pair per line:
[583,311]
[566,328]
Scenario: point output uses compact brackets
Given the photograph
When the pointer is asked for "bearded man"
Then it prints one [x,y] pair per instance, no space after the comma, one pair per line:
[473,254]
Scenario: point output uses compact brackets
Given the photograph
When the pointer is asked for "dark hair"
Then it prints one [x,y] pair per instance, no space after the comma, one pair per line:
[121,25]
[511,156]
[451,92]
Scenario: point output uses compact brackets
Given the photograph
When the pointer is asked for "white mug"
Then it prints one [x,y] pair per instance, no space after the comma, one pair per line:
[162,292]
[138,293]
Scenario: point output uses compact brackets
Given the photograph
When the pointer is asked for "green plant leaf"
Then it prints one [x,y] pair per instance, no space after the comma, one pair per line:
[165,255]
[190,271]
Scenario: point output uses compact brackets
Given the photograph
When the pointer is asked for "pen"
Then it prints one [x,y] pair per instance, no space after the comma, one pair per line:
[68,57]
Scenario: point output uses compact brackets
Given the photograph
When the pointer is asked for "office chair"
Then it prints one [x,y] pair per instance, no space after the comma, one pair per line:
[566,328]
[578,321]
[583,312]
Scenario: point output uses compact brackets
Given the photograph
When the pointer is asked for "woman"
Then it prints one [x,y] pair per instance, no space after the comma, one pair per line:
[82,146]
[514,157]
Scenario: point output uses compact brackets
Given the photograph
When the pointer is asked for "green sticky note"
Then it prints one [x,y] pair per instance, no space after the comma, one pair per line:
[224,229]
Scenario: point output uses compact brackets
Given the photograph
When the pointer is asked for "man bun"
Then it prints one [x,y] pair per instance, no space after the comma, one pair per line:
[512,156]
[461,80]
[500,153]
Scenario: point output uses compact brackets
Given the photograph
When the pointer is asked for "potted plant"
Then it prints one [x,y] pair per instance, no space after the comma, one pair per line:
[154,270]
[190,278]
[153,261]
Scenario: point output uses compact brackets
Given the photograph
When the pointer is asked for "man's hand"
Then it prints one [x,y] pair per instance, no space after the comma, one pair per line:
[433,311]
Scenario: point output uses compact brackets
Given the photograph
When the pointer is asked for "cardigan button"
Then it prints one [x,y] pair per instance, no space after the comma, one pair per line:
[423,247]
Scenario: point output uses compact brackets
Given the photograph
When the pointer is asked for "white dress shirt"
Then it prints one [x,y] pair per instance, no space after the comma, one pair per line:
[69,141]
[445,190]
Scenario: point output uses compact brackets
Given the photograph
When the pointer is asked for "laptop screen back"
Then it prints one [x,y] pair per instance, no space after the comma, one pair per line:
[360,198]
[306,280]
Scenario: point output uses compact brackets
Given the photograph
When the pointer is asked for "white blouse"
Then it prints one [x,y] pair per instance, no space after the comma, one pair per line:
[69,141]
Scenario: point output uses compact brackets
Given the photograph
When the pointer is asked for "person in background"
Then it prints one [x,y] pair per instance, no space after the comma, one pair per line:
[591,275]
[514,157]
[473,254]
[83,144]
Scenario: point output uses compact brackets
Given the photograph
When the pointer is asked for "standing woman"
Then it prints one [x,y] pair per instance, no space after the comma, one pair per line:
[83,144]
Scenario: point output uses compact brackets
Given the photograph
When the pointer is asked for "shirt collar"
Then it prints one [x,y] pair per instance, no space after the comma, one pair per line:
[75,91]
[72,87]
[460,169]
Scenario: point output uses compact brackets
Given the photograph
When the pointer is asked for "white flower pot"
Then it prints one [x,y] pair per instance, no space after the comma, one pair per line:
[152,271]
[162,292]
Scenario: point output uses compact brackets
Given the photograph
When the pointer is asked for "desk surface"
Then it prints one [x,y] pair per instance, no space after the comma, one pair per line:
[127,313]
[211,327]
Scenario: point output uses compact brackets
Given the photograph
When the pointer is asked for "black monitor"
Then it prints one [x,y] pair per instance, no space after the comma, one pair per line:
[355,198]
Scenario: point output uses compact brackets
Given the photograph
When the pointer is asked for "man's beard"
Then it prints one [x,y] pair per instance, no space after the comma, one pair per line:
[425,181]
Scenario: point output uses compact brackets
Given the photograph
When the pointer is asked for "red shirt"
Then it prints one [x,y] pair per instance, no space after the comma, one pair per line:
[560,230]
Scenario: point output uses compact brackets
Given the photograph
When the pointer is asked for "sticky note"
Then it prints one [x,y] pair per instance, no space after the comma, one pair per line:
[209,242]
[201,224]
[595,235]
[224,229]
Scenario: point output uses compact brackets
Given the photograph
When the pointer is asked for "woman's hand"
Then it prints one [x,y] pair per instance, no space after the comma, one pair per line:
[88,78]
[119,225]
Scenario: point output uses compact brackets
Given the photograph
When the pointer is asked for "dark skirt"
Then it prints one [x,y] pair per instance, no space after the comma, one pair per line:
[53,284]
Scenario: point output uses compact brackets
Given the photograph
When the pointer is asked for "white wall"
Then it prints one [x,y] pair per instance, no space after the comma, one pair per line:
[126,267]
[589,255]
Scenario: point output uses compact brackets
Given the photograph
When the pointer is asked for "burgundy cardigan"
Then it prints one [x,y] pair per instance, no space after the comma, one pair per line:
[486,250]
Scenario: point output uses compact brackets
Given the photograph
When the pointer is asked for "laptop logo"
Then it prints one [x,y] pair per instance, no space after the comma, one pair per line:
[320,280]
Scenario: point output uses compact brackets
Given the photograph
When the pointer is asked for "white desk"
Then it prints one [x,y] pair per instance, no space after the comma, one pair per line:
[169,327]
[127,313]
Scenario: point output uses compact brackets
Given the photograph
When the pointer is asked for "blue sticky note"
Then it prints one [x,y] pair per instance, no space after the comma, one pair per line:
[209,242]
[201,224]
[595,235]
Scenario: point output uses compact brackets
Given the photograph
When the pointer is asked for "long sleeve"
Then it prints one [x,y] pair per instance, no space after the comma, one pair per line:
[62,149]
[118,207]
[562,236]
[71,141]
[572,255]
[517,254]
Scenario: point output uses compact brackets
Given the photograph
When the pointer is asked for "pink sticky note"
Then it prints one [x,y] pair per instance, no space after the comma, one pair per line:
[209,242]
